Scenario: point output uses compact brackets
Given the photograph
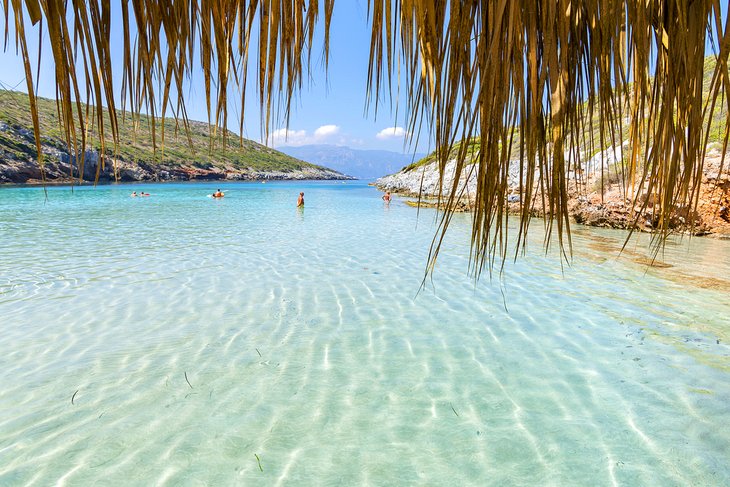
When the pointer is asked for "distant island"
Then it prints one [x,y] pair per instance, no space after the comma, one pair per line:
[136,160]
[360,163]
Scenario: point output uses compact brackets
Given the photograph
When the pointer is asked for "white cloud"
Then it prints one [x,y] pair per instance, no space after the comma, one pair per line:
[392,133]
[323,134]
[326,131]
[285,136]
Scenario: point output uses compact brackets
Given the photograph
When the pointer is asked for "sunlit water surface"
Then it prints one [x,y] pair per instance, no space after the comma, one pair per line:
[180,340]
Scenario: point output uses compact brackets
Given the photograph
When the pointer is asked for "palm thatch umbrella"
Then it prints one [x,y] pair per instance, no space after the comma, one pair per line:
[527,73]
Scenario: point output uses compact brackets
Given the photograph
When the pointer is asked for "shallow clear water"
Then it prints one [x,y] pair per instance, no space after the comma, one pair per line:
[180,340]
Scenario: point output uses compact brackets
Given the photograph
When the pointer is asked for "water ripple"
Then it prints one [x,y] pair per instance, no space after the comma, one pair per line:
[177,342]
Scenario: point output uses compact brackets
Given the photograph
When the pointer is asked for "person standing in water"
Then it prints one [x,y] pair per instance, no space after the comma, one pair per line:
[300,201]
[386,197]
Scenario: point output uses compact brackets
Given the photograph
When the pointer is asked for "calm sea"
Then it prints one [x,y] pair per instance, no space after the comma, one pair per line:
[180,340]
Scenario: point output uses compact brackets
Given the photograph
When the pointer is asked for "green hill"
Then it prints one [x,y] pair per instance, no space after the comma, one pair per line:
[208,158]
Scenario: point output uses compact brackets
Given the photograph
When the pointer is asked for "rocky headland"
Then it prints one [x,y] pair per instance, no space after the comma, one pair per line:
[186,155]
[591,201]
[59,166]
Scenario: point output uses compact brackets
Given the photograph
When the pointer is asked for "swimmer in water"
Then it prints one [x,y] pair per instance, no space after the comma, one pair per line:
[300,201]
[218,194]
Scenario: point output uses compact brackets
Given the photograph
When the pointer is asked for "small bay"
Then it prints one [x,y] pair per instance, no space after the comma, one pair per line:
[177,339]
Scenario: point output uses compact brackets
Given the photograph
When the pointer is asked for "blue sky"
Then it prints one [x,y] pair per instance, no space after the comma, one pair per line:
[329,110]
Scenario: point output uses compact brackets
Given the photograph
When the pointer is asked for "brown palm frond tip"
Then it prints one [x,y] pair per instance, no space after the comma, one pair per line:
[527,74]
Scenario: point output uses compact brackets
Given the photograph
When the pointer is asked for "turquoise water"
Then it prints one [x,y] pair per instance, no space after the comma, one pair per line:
[181,340]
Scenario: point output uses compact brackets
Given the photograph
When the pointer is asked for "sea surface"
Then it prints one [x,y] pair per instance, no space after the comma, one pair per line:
[180,340]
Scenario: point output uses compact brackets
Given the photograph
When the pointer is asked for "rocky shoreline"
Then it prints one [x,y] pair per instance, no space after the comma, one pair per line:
[608,208]
[58,172]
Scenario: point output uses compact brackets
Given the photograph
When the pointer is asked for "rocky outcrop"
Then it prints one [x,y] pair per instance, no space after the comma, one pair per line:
[426,181]
[591,203]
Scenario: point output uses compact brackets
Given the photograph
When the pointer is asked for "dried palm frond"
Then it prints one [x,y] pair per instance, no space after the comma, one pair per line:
[502,72]
[497,71]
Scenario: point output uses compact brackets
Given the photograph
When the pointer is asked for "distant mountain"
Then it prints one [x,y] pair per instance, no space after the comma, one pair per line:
[136,160]
[363,164]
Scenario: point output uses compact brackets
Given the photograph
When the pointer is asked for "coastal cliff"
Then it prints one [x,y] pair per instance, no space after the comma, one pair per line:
[199,157]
